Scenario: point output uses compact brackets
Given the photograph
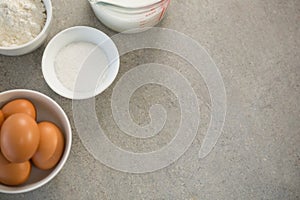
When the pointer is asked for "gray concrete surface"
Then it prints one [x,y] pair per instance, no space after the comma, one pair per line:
[256,47]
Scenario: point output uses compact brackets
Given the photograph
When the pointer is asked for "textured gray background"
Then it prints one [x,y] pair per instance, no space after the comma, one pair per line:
[256,47]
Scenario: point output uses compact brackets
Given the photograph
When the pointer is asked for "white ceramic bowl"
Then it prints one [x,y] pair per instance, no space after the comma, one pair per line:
[36,42]
[124,21]
[128,3]
[80,34]
[47,109]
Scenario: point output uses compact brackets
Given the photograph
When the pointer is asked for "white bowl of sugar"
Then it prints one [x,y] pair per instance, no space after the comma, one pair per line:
[24,25]
[80,62]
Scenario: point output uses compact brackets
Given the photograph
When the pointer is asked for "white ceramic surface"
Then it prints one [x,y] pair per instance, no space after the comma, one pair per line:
[131,12]
[47,109]
[127,20]
[128,3]
[35,43]
[80,34]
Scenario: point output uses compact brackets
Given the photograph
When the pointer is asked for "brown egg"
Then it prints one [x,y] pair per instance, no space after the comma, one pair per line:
[13,173]
[19,138]
[49,134]
[45,158]
[19,106]
[1,122]
[1,118]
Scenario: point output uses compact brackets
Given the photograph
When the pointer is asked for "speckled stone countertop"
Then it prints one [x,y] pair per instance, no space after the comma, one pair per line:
[255,45]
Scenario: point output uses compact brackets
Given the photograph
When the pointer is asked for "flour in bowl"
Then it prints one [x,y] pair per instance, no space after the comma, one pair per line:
[20,21]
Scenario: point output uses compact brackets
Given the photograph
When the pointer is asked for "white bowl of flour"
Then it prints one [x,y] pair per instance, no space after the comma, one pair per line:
[80,62]
[24,25]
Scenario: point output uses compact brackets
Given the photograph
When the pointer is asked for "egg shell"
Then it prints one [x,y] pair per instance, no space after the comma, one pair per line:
[13,173]
[1,122]
[49,135]
[19,106]
[54,159]
[19,138]
[1,118]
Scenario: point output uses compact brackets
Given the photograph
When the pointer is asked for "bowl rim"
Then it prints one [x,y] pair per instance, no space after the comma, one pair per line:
[66,153]
[73,94]
[45,28]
